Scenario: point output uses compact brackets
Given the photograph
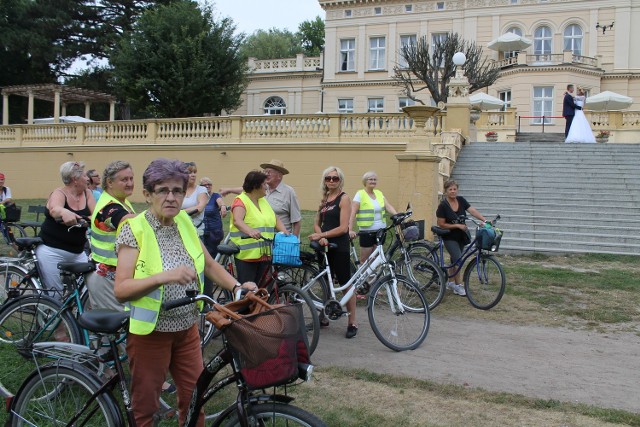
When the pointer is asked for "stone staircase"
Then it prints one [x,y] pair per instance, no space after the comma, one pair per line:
[556,197]
[539,137]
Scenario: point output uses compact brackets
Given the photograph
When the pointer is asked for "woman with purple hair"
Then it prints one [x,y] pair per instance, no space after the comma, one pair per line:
[160,257]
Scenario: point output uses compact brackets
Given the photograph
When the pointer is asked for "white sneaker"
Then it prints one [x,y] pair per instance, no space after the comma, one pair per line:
[457,289]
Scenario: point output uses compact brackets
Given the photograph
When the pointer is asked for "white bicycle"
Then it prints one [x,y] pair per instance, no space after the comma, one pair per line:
[398,311]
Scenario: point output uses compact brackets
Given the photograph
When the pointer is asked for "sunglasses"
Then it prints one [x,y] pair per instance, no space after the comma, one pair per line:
[331,179]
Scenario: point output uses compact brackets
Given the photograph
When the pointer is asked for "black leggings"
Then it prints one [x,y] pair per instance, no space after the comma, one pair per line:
[454,248]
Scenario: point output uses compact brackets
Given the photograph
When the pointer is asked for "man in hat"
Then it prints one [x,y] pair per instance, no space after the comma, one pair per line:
[281,197]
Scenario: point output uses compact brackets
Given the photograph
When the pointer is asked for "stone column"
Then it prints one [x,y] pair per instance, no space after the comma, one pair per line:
[56,106]
[458,106]
[30,109]
[112,111]
[87,110]
[5,109]
[418,169]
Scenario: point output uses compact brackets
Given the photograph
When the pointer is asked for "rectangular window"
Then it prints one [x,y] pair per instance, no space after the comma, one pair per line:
[409,40]
[376,105]
[505,96]
[347,13]
[348,55]
[408,8]
[438,38]
[514,1]
[377,53]
[542,104]
[405,102]
[440,5]
[377,11]
[345,105]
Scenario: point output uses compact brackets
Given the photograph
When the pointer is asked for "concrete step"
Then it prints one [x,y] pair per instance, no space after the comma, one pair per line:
[577,199]
[572,222]
[546,245]
[483,191]
[555,211]
[598,228]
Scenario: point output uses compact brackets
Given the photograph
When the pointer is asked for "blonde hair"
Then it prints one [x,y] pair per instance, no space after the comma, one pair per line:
[323,185]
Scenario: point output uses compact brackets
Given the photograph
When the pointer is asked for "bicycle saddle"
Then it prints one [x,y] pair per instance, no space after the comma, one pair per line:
[76,267]
[319,248]
[228,249]
[439,231]
[103,320]
[27,242]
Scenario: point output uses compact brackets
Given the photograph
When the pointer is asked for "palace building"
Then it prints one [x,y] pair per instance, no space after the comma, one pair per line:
[584,42]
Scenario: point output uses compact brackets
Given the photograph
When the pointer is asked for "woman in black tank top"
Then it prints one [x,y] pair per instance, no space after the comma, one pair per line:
[332,226]
[66,206]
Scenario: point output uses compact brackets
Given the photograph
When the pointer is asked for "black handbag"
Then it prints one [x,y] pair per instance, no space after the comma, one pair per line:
[12,212]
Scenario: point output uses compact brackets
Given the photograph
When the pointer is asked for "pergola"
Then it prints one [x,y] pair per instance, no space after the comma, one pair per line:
[60,95]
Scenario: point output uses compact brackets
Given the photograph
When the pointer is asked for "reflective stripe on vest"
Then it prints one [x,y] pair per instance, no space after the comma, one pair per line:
[103,243]
[365,215]
[145,310]
[263,220]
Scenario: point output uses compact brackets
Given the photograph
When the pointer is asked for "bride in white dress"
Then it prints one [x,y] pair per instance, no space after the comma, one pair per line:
[580,130]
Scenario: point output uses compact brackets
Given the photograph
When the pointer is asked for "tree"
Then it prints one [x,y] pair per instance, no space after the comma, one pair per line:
[311,36]
[431,67]
[271,44]
[179,62]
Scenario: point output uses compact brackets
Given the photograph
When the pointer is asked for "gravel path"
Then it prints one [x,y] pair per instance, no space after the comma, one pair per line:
[550,363]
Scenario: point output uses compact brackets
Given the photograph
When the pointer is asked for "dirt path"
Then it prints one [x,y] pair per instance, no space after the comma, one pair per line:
[550,363]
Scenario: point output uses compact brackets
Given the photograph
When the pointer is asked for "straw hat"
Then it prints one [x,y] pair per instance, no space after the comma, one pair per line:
[277,165]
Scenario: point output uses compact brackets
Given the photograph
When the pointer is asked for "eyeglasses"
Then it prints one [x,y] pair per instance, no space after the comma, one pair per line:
[207,185]
[164,192]
[94,176]
[331,179]
[372,180]
[187,164]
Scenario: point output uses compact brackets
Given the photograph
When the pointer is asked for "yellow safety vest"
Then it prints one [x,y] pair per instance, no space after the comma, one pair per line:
[144,311]
[103,243]
[263,220]
[364,216]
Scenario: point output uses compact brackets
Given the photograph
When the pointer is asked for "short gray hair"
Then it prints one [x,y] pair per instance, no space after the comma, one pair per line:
[367,175]
[112,169]
[70,171]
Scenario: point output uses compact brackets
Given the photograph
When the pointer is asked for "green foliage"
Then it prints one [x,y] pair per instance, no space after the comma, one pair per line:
[311,35]
[179,62]
[271,44]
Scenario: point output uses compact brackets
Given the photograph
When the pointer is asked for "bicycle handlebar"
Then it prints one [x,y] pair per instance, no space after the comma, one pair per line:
[192,296]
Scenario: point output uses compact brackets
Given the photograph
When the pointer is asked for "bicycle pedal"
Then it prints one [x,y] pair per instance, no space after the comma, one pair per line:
[165,414]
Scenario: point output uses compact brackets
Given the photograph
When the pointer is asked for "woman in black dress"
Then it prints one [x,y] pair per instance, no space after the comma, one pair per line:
[451,216]
[331,225]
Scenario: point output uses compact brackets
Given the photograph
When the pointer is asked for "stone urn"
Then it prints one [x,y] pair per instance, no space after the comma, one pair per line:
[474,115]
[420,114]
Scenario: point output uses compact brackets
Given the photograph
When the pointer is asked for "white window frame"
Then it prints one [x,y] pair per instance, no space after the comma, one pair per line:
[405,40]
[377,10]
[377,52]
[543,41]
[513,53]
[347,13]
[375,105]
[275,105]
[542,104]
[345,105]
[408,8]
[573,39]
[405,101]
[440,5]
[505,96]
[347,54]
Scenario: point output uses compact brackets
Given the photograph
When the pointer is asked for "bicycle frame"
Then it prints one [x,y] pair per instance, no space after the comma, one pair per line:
[469,251]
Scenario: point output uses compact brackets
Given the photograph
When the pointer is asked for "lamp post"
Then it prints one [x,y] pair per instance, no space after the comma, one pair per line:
[458,106]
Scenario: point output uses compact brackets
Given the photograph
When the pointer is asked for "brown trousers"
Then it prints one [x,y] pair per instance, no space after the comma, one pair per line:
[150,358]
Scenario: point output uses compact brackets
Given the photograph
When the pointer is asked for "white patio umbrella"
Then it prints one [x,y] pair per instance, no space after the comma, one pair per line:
[509,42]
[485,102]
[607,101]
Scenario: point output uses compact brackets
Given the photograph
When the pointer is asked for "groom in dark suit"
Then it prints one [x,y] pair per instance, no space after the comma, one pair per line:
[568,109]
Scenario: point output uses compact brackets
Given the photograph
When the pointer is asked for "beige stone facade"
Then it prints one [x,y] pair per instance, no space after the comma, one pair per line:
[362,39]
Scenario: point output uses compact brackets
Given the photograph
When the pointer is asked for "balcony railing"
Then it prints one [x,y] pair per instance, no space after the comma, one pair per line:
[373,127]
[299,63]
[566,57]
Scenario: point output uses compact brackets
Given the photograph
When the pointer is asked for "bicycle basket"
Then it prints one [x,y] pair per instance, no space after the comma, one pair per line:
[268,346]
[488,239]
[11,212]
[286,250]
[410,231]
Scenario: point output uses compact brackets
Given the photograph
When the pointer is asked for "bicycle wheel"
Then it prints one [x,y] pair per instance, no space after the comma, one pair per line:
[484,282]
[302,276]
[398,313]
[24,321]
[291,294]
[273,414]
[426,274]
[14,278]
[53,395]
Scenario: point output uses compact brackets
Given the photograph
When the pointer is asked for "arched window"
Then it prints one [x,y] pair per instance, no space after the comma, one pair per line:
[275,105]
[517,31]
[542,41]
[573,39]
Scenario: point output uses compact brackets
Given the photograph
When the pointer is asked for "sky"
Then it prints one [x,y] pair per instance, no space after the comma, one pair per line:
[251,15]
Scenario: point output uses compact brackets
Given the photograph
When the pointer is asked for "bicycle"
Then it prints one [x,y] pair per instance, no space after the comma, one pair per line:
[66,392]
[484,279]
[10,231]
[396,306]
[19,275]
[280,281]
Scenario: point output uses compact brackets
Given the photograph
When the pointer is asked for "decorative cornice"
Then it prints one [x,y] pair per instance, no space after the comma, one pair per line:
[354,83]
[630,75]
[286,76]
[522,69]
